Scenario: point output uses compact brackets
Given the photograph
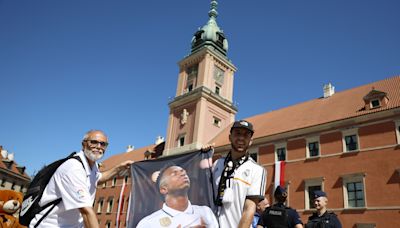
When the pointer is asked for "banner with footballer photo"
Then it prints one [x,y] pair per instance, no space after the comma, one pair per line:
[146,197]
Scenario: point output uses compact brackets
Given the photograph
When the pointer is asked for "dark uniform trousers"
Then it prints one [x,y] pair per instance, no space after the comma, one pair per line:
[327,220]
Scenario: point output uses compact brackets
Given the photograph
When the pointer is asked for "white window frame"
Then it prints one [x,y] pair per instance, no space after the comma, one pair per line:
[100,205]
[311,140]
[114,182]
[379,103]
[317,181]
[278,146]
[350,132]
[350,178]
[110,204]
[397,123]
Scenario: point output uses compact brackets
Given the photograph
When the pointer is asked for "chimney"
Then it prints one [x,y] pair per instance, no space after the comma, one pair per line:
[130,148]
[159,140]
[4,153]
[329,90]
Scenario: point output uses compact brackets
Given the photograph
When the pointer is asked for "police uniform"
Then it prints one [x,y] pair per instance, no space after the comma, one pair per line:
[246,181]
[292,217]
[169,217]
[76,185]
[327,220]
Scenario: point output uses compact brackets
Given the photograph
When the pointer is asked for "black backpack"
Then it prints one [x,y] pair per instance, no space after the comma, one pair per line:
[30,205]
[275,217]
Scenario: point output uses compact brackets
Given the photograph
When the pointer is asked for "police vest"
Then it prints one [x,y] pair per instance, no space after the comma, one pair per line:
[275,217]
[321,222]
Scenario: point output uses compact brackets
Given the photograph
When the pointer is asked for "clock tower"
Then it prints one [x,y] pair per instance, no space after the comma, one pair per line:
[203,105]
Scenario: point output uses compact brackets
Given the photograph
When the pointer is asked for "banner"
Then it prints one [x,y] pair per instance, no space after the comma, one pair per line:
[145,195]
[279,174]
[120,204]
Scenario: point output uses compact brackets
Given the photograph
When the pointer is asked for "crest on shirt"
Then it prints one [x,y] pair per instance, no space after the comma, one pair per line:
[80,193]
[246,173]
[165,221]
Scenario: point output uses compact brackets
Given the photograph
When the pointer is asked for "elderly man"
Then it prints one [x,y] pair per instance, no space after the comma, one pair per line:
[177,211]
[322,218]
[75,183]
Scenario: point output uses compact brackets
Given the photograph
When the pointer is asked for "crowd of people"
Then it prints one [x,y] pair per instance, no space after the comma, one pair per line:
[240,192]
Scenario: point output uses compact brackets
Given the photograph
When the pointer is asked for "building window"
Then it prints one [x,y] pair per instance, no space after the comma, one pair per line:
[217,122]
[398,131]
[354,190]
[350,140]
[104,184]
[280,152]
[100,205]
[108,224]
[114,182]
[190,87]
[312,149]
[375,103]
[126,179]
[110,205]
[217,90]
[312,185]
[181,141]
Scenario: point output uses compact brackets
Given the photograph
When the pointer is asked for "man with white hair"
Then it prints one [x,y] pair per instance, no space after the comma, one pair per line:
[75,183]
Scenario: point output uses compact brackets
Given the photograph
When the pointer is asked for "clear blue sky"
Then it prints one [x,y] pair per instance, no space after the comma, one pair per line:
[67,66]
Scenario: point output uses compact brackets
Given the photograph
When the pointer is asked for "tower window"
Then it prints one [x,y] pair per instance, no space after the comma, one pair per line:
[190,87]
[217,122]
[217,90]
[181,141]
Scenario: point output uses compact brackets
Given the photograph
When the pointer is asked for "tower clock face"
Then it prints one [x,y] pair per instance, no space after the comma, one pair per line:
[218,75]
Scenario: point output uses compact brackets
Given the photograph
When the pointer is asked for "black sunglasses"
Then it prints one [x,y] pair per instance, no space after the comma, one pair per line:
[95,142]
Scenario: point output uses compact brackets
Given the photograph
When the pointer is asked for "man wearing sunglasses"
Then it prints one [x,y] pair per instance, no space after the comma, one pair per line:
[75,183]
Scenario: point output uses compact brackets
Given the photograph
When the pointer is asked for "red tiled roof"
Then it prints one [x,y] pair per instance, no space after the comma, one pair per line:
[341,105]
[13,168]
[135,155]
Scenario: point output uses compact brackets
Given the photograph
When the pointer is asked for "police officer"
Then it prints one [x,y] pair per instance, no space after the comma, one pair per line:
[278,215]
[322,218]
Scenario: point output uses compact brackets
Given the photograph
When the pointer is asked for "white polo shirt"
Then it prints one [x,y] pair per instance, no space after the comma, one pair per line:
[248,180]
[168,217]
[77,188]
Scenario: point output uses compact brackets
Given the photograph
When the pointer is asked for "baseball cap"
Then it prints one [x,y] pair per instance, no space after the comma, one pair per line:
[243,124]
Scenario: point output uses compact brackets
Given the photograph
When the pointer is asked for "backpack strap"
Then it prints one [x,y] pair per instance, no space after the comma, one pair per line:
[57,201]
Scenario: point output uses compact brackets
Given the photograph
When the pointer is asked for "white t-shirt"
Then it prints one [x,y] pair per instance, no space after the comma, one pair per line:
[76,186]
[248,181]
[168,217]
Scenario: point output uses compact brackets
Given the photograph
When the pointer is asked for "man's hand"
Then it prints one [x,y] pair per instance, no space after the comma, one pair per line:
[123,167]
[207,147]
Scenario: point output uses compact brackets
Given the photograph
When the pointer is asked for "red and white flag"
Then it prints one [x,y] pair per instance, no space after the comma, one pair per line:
[279,174]
[120,204]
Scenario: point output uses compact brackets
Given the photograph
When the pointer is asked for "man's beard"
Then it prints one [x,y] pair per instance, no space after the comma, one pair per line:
[92,156]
